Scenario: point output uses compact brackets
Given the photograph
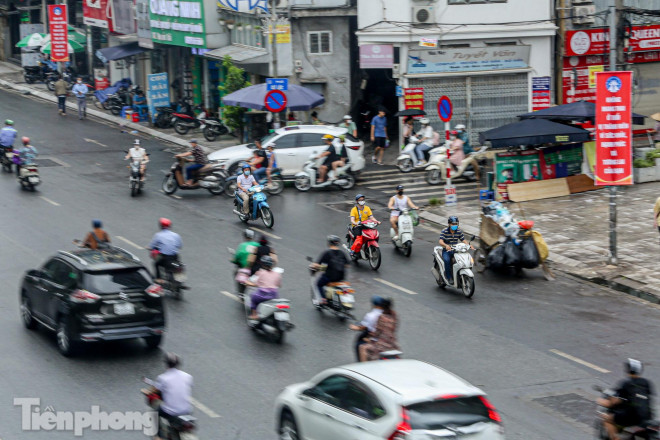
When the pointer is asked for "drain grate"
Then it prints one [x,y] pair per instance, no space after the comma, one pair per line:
[47,163]
[572,406]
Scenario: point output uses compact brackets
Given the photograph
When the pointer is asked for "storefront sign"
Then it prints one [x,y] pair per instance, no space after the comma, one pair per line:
[376,56]
[281,84]
[414,98]
[123,16]
[613,128]
[541,92]
[282,34]
[428,42]
[59,33]
[95,13]
[597,41]
[468,59]
[244,5]
[179,23]
[143,24]
[158,92]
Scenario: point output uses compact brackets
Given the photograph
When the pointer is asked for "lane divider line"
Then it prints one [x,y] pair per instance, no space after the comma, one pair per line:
[270,234]
[203,408]
[176,197]
[579,361]
[93,141]
[127,241]
[394,286]
[231,295]
[49,201]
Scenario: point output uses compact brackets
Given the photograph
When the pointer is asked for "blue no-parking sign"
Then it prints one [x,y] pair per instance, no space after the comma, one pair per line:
[445,109]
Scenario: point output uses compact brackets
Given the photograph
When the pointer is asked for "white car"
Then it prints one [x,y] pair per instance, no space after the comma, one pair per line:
[386,400]
[293,146]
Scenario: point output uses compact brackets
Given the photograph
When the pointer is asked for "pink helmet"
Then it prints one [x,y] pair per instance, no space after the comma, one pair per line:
[25,140]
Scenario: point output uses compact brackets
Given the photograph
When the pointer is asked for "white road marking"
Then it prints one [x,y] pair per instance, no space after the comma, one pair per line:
[231,295]
[49,201]
[391,171]
[270,234]
[394,286]
[579,361]
[126,240]
[405,184]
[429,228]
[57,161]
[92,141]
[176,197]
[203,408]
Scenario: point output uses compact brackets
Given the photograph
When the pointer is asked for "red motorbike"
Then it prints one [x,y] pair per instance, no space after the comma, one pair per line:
[370,250]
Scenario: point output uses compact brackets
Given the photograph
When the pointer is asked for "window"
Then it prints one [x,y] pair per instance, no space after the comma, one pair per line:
[285,141]
[462,411]
[319,43]
[59,273]
[116,281]
[330,390]
[311,140]
[248,32]
[361,402]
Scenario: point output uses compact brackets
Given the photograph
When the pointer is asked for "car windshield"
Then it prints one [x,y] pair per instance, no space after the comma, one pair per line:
[117,280]
[437,414]
[267,138]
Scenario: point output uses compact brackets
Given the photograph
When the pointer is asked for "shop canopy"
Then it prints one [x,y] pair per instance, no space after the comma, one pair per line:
[575,111]
[533,132]
[240,54]
[298,98]
[119,52]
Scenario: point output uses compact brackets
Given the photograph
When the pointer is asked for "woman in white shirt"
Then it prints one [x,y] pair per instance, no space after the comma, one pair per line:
[140,154]
[425,136]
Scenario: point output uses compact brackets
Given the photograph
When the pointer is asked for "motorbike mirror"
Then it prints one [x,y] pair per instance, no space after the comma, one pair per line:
[231,251]
[310,259]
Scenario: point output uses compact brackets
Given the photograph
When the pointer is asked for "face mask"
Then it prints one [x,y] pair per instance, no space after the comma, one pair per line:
[454,227]
[79,82]
[453,138]
[361,203]
[400,192]
[246,172]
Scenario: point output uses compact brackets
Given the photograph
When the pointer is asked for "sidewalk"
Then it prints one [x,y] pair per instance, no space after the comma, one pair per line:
[576,228]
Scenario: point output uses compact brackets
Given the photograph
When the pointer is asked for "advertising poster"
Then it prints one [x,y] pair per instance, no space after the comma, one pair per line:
[178,26]
[158,92]
[95,13]
[529,166]
[414,98]
[541,93]
[59,33]
[506,168]
[376,56]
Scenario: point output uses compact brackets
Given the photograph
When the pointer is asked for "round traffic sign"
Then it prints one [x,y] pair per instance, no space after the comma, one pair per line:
[275,101]
[445,109]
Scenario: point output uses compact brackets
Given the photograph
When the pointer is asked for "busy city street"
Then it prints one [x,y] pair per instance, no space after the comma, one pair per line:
[536,347]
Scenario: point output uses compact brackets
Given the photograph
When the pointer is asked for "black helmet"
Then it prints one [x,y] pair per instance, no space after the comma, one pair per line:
[633,366]
[452,219]
[333,239]
[172,360]
[266,261]
[399,187]
[249,234]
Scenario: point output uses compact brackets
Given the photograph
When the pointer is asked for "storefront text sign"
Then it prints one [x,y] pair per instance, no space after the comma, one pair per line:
[95,13]
[158,92]
[414,98]
[597,41]
[613,128]
[59,33]
[428,42]
[143,24]
[469,59]
[179,23]
[376,56]
[540,93]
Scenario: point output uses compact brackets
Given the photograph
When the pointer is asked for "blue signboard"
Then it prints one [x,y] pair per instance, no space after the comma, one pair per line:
[158,92]
[469,59]
[399,91]
[281,84]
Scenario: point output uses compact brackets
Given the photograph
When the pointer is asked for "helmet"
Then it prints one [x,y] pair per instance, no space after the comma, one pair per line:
[633,366]
[271,145]
[172,360]
[454,132]
[96,223]
[249,234]
[399,187]
[359,196]
[328,136]
[333,239]
[266,261]
[9,122]
[460,127]
[192,141]
[424,121]
[377,300]
[452,219]
[347,117]
[25,140]
[342,137]
[245,165]
[136,142]
[164,222]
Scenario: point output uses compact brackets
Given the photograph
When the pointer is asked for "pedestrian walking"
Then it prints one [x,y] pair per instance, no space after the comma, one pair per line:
[656,212]
[61,92]
[80,91]
[379,136]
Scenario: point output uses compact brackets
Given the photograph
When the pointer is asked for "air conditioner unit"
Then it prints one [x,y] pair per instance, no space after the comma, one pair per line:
[423,15]
[584,14]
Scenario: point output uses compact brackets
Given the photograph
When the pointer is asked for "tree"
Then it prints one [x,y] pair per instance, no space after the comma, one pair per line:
[234,80]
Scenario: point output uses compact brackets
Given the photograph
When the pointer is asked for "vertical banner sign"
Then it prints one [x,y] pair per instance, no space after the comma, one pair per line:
[540,93]
[158,92]
[414,98]
[59,33]
[613,128]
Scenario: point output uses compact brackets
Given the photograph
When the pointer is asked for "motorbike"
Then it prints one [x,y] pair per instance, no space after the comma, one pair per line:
[307,178]
[28,176]
[210,177]
[175,277]
[119,100]
[436,169]
[407,158]
[214,128]
[339,295]
[184,122]
[370,250]
[176,428]
[258,207]
[135,183]
[404,240]
[648,430]
[274,189]
[7,158]
[462,268]
[274,319]
[241,275]
[33,74]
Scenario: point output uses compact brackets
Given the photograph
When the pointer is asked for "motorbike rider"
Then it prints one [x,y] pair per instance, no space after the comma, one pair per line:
[425,137]
[175,387]
[165,246]
[449,236]
[262,250]
[397,204]
[336,262]
[383,338]
[465,137]
[7,135]
[456,154]
[245,252]
[272,162]
[268,282]
[243,183]
[97,238]
[349,125]
[360,213]
[631,403]
[258,161]
[342,153]
[26,154]
[368,324]
[332,159]
[200,160]
[136,152]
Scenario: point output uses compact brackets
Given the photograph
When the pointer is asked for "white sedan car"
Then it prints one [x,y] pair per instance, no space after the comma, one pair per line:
[386,400]
[293,146]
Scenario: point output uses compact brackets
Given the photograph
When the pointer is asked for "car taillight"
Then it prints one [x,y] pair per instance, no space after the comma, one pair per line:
[354,147]
[492,412]
[282,306]
[83,296]
[449,396]
[403,428]
[154,290]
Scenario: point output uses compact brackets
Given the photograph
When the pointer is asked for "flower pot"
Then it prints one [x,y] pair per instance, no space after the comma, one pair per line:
[657,170]
[643,175]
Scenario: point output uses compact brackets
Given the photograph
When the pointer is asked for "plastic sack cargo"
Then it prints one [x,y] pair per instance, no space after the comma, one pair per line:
[495,259]
[541,245]
[511,253]
[529,256]
[415,217]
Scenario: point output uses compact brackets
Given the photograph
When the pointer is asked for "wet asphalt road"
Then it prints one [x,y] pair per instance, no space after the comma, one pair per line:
[535,346]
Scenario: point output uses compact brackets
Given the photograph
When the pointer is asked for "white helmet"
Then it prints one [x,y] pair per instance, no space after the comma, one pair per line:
[347,117]
[460,127]
[424,121]
[136,142]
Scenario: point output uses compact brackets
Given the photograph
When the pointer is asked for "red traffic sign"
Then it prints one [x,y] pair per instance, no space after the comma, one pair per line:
[445,109]
[275,101]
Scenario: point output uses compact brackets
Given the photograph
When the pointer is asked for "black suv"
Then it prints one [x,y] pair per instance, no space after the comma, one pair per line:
[93,295]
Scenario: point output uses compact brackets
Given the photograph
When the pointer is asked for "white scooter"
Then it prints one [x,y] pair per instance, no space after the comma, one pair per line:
[29,176]
[274,319]
[307,178]
[407,158]
[462,268]
[339,295]
[404,240]
[436,169]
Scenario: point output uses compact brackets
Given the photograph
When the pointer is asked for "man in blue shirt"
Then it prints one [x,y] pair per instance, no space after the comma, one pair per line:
[80,91]
[379,136]
[8,134]
[164,246]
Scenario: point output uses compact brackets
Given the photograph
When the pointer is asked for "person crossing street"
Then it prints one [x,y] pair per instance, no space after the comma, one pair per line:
[80,90]
[61,92]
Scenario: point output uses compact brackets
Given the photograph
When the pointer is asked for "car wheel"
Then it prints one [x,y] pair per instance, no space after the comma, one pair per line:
[26,313]
[65,344]
[153,342]
[288,427]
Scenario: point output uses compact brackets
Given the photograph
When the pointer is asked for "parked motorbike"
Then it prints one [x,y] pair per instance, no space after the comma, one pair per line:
[210,177]
[274,319]
[339,295]
[33,74]
[274,189]
[119,100]
[258,207]
[7,158]
[184,122]
[407,158]
[176,428]
[648,430]
[214,128]
[370,250]
[307,178]
[28,176]
[404,240]
[461,268]
[436,169]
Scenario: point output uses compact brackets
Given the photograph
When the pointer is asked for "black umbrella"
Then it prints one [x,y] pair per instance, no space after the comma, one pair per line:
[533,132]
[575,111]
[411,112]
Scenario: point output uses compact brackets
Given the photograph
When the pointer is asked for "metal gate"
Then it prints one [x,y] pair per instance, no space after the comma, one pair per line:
[480,102]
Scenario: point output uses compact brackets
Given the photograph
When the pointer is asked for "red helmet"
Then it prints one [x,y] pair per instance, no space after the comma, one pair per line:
[164,222]
[25,140]
[454,132]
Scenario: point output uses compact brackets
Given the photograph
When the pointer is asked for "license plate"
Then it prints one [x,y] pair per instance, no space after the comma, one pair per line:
[124,309]
[9,155]
[33,179]
[180,277]
[282,316]
[347,298]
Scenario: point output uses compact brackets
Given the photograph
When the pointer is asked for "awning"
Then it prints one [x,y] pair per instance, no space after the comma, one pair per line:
[119,52]
[240,54]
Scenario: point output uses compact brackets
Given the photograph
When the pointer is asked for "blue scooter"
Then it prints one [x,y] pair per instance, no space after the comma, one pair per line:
[258,207]
[274,189]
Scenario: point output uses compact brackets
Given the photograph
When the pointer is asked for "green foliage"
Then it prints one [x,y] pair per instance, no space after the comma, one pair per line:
[643,163]
[435,201]
[653,154]
[234,80]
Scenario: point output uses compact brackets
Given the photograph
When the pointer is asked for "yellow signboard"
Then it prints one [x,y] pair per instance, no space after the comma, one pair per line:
[592,75]
[283,32]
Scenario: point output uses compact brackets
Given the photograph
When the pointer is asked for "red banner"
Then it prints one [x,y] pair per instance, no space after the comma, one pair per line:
[613,128]
[96,13]
[59,33]
[414,98]
[597,41]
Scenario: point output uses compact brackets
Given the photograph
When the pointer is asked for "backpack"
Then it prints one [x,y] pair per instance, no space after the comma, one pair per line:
[436,138]
[100,244]
[640,399]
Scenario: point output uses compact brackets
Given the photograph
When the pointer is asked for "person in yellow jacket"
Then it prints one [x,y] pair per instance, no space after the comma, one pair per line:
[656,212]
